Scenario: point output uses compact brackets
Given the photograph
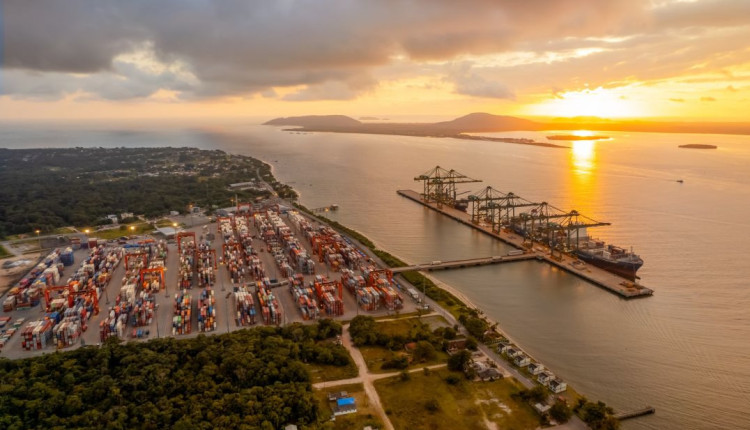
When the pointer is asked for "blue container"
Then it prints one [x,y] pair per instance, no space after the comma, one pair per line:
[54,316]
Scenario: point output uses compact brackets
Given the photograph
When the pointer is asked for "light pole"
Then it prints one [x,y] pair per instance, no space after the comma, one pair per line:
[39,241]
[226,303]
[157,320]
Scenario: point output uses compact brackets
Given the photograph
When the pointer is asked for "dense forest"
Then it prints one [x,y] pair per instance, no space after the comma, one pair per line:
[245,379]
[49,188]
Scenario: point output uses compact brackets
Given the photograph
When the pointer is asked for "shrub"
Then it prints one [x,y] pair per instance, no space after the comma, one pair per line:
[452,380]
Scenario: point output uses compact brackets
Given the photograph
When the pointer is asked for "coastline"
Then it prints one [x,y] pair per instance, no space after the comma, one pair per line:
[459,136]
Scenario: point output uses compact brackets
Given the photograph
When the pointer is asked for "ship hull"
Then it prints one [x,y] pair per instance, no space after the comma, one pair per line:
[622,268]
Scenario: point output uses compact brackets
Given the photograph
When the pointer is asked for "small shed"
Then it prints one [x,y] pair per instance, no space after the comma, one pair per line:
[345,405]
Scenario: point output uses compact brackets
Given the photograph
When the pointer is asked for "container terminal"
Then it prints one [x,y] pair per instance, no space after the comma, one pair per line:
[263,264]
[556,236]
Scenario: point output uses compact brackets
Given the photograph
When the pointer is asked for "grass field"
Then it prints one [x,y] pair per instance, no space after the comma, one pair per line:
[4,253]
[404,325]
[429,402]
[323,373]
[374,355]
[140,228]
[365,415]
[164,222]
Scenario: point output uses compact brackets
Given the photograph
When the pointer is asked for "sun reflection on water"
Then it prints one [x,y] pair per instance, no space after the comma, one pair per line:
[583,156]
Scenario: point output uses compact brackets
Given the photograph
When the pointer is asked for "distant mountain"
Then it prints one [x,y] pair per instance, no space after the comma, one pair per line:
[480,121]
[487,123]
[316,121]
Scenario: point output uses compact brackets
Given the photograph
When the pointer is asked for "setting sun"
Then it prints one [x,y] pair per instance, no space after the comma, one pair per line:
[598,102]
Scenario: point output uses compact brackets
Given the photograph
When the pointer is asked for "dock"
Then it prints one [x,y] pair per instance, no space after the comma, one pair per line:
[595,275]
[471,262]
[646,410]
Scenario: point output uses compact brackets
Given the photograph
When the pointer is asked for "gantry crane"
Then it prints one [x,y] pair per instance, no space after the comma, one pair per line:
[63,288]
[373,276]
[184,235]
[440,186]
[483,205]
[149,272]
[138,256]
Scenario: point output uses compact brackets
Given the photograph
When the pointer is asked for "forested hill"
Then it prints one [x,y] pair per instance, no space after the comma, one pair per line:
[48,188]
[248,379]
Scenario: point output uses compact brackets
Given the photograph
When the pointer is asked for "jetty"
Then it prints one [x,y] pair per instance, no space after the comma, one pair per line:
[471,262]
[622,287]
[646,410]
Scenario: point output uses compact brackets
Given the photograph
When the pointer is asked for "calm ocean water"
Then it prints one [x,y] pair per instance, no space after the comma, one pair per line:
[684,351]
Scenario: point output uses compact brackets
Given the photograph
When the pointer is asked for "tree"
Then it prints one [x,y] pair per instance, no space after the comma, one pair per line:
[362,330]
[424,351]
[459,360]
[476,326]
[598,416]
[538,394]
[560,412]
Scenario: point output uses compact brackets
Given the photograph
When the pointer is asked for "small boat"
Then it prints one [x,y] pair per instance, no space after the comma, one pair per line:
[680,181]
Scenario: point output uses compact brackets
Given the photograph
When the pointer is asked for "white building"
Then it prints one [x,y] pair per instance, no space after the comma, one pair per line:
[557,385]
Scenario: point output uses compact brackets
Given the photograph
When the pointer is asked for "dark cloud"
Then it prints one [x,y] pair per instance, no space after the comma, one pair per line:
[331,47]
[473,84]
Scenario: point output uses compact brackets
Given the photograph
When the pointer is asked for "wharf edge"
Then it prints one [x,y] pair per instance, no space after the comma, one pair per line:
[593,274]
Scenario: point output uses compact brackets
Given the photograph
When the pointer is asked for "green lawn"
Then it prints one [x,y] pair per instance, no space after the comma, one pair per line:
[324,373]
[365,416]
[375,356]
[428,402]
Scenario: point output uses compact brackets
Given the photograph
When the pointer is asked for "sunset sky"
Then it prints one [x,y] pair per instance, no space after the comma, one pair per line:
[674,59]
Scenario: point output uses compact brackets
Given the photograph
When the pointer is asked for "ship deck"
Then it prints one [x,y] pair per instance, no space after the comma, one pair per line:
[595,275]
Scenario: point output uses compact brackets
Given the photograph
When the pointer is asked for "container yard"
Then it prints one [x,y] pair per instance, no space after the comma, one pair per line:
[272,263]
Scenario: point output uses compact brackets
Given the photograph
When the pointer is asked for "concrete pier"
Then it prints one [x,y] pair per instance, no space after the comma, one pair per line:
[471,262]
[597,276]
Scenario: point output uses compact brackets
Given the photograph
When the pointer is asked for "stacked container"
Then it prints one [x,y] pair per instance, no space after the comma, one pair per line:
[181,321]
[270,310]
[37,335]
[245,307]
[207,311]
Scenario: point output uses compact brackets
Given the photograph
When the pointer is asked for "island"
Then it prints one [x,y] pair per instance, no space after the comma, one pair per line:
[574,137]
[698,146]
[457,128]
[468,126]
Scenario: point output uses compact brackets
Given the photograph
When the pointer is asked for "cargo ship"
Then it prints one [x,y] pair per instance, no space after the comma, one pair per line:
[610,258]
